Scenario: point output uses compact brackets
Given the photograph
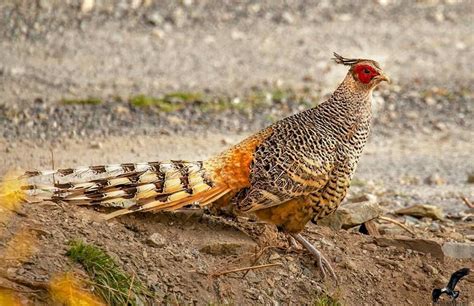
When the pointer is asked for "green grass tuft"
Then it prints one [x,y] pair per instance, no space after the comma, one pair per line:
[113,284]
[183,96]
[88,101]
[326,300]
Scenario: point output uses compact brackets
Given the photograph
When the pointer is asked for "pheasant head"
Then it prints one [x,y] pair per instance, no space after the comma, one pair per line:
[365,74]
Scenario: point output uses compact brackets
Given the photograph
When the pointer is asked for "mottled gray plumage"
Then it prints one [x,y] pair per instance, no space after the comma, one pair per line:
[311,154]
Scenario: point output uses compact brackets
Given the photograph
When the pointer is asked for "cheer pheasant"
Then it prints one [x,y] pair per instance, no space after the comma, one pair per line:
[298,169]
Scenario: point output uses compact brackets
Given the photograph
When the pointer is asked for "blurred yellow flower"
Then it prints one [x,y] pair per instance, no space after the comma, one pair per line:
[68,290]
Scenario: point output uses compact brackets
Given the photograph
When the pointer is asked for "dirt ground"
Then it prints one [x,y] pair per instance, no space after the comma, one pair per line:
[420,151]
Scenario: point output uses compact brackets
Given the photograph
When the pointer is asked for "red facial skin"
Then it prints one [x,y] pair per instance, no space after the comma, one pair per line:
[365,73]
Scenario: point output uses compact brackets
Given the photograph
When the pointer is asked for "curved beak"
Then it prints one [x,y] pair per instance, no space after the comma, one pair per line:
[383,77]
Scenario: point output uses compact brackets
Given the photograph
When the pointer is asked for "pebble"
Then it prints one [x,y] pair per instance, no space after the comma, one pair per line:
[96,145]
[370,247]
[470,178]
[156,240]
[274,256]
[87,6]
[349,264]
[154,18]
[435,179]
[288,18]
[430,269]
[423,210]
[435,227]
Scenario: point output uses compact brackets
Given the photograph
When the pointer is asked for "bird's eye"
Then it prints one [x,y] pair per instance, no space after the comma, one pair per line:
[366,71]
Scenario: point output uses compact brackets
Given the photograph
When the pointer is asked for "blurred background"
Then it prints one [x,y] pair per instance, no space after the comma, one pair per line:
[226,56]
[108,81]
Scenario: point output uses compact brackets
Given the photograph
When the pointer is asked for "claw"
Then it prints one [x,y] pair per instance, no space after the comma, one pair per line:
[322,262]
[293,245]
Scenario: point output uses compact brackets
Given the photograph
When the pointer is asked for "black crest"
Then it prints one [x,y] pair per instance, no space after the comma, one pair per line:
[352,61]
[345,61]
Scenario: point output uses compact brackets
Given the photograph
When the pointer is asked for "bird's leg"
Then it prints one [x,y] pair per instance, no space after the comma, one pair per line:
[293,244]
[323,263]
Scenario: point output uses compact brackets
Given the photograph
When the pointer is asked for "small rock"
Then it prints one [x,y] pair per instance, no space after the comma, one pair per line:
[178,17]
[470,237]
[430,101]
[458,250]
[158,33]
[345,17]
[439,16]
[221,248]
[237,35]
[351,215]
[456,236]
[349,264]
[370,247]
[470,178]
[389,263]
[384,2]
[288,18]
[274,256]
[226,141]
[135,4]
[420,245]
[188,2]
[293,268]
[435,179]
[434,227]
[440,281]
[409,220]
[154,18]
[430,269]
[96,145]
[156,240]
[87,6]
[368,197]
[119,109]
[422,210]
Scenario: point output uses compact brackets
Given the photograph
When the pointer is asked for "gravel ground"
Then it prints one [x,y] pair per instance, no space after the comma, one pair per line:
[53,51]
[410,112]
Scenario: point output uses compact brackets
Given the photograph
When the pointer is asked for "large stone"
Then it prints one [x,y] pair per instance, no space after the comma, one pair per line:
[421,245]
[459,250]
[351,215]
[422,210]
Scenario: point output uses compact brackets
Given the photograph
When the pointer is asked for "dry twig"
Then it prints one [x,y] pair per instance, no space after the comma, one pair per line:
[398,223]
[257,257]
[467,202]
[245,269]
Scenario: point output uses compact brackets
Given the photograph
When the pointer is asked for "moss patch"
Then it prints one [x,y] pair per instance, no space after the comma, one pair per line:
[88,101]
[170,102]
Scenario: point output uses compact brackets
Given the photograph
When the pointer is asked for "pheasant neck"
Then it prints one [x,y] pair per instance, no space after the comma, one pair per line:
[349,105]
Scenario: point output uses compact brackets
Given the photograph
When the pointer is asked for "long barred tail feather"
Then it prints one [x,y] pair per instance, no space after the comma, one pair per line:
[112,169]
[134,187]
